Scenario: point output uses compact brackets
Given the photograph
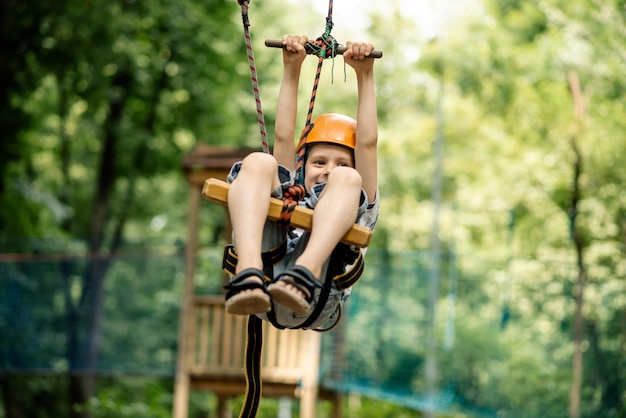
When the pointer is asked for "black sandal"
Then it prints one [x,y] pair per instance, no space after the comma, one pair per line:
[301,278]
[239,302]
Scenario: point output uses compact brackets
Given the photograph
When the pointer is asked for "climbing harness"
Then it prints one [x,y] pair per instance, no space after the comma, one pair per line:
[343,255]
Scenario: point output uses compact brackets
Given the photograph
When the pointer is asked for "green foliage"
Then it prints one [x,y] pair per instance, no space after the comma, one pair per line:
[151,69]
[32,396]
[132,398]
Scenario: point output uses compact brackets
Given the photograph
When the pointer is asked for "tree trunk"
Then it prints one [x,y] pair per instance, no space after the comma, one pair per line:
[431,367]
[8,126]
[82,376]
[13,408]
[82,383]
[577,361]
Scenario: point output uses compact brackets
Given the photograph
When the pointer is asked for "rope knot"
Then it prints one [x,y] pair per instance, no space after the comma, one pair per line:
[244,13]
[323,47]
[291,196]
[329,24]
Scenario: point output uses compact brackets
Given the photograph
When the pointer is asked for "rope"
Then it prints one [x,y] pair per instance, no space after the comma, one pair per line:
[253,74]
[291,197]
[324,47]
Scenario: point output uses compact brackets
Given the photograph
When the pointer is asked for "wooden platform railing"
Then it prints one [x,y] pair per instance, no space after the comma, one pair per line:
[216,350]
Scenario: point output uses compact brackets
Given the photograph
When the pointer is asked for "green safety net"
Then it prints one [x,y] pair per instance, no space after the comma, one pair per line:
[381,349]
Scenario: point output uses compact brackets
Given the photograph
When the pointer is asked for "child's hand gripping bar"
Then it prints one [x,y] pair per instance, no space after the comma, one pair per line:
[277,43]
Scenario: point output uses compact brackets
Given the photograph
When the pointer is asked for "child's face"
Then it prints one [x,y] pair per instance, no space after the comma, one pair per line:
[322,159]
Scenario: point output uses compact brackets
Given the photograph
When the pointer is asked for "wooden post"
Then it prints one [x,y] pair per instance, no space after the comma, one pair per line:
[223,407]
[201,163]
[181,388]
[337,370]
[310,374]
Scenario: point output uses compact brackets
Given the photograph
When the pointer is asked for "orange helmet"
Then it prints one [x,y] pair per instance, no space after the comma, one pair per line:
[333,128]
[329,128]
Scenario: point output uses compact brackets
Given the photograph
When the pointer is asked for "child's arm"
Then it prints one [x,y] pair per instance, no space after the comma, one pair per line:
[357,56]
[287,107]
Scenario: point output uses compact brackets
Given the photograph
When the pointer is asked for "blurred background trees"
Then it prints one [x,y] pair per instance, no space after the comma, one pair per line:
[99,101]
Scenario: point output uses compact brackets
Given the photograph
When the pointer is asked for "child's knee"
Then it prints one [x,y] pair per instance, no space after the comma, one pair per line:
[259,163]
[346,177]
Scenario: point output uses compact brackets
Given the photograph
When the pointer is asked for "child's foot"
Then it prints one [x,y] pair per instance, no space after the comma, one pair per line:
[246,293]
[294,289]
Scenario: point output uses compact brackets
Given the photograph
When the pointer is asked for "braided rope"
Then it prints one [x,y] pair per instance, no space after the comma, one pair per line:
[324,47]
[253,74]
[291,196]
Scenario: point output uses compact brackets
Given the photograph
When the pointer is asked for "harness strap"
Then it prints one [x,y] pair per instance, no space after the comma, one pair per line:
[346,255]
[254,346]
[254,339]
[342,255]
[270,257]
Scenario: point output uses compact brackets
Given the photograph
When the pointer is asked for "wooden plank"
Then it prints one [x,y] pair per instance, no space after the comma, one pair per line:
[217,343]
[310,351]
[292,340]
[203,335]
[282,343]
[217,191]
[237,388]
[271,342]
[191,337]
[227,338]
[237,357]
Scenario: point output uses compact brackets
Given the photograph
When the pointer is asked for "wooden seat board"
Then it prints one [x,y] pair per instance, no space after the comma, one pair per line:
[217,191]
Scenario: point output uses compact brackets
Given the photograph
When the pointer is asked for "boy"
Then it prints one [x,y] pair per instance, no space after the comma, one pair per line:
[340,178]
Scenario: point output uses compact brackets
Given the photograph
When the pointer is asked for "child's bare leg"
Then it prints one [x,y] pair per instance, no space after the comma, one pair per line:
[334,215]
[248,204]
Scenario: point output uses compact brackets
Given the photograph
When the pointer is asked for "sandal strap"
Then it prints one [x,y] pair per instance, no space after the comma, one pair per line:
[237,283]
[302,278]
